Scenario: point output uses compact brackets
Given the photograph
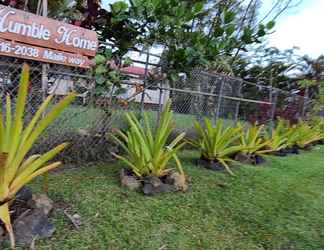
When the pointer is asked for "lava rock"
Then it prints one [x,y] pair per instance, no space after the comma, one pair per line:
[281,153]
[259,160]
[320,142]
[41,201]
[212,165]
[153,185]
[24,194]
[293,150]
[178,181]
[243,158]
[2,234]
[249,159]
[128,180]
[33,225]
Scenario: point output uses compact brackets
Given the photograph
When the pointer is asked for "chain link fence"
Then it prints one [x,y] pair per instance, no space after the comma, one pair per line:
[86,123]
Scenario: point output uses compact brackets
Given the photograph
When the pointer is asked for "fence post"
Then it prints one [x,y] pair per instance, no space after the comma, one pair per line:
[144,83]
[238,103]
[273,107]
[45,67]
[219,102]
[305,103]
[160,103]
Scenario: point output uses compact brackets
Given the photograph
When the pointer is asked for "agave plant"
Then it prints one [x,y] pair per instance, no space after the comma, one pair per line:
[16,169]
[147,151]
[253,142]
[218,143]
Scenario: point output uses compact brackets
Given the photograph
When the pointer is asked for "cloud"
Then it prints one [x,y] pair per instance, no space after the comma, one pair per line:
[304,30]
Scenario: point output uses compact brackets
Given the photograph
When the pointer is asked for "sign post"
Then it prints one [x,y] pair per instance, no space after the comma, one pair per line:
[44,66]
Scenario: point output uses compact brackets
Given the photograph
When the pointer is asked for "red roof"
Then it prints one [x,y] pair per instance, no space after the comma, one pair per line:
[131,70]
[134,70]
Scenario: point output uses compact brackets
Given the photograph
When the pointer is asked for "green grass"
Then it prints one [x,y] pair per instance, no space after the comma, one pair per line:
[74,118]
[279,205]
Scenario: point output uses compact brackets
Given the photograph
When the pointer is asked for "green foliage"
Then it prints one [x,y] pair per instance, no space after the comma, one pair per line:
[194,33]
[307,135]
[147,151]
[277,206]
[17,167]
[252,141]
[307,83]
[218,143]
[106,72]
[277,138]
[302,134]
[270,25]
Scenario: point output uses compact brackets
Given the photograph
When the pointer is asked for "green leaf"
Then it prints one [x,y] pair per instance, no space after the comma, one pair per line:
[100,79]
[198,8]
[261,31]
[247,35]
[119,6]
[127,61]
[230,30]
[218,31]
[229,16]
[100,59]
[108,54]
[101,69]
[270,25]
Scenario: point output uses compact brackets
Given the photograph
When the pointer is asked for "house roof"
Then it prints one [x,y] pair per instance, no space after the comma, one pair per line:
[134,70]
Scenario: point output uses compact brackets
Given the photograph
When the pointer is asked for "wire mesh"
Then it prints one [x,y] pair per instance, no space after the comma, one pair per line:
[87,122]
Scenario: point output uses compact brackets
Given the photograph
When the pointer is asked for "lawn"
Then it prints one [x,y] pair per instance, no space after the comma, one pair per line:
[279,205]
[75,117]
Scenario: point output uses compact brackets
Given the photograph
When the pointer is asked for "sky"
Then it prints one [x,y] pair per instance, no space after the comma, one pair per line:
[300,27]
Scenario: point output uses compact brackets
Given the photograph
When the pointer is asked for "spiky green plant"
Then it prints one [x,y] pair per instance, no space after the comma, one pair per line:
[16,169]
[147,151]
[253,142]
[276,139]
[218,143]
[307,135]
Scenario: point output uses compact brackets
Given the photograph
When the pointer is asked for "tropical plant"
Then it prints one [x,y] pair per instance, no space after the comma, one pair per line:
[276,138]
[307,134]
[253,142]
[218,143]
[147,151]
[16,167]
[107,73]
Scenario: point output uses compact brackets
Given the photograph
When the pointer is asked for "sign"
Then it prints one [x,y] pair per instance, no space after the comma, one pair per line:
[20,50]
[25,27]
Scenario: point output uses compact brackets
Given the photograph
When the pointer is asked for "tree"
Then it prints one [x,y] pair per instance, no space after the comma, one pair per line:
[311,75]
[54,6]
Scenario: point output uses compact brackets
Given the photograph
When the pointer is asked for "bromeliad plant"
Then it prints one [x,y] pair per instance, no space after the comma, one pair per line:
[307,135]
[276,139]
[253,142]
[218,143]
[16,169]
[147,151]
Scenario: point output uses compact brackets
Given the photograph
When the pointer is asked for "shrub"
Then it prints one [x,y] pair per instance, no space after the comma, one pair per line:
[276,138]
[217,143]
[15,143]
[252,141]
[147,151]
[306,135]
